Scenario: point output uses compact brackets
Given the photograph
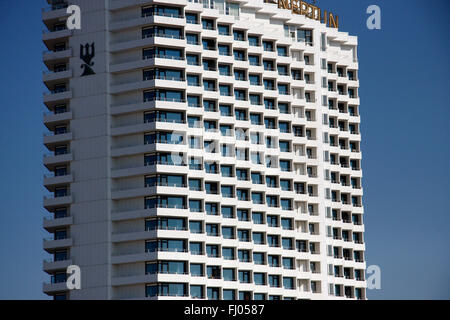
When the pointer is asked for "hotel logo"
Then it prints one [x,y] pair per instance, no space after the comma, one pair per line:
[308,10]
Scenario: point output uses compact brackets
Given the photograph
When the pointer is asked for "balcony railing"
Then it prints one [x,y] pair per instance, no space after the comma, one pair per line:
[162,56]
[57,196]
[56,91]
[162,14]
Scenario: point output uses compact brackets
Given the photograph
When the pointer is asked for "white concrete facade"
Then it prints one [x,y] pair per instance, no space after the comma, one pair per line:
[261,91]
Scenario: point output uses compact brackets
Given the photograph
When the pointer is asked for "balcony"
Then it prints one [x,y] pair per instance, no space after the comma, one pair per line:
[53,118]
[51,223]
[157,81]
[156,18]
[54,13]
[164,40]
[49,76]
[52,138]
[50,288]
[54,201]
[142,192]
[52,159]
[57,96]
[51,37]
[148,61]
[51,244]
[143,235]
[143,127]
[51,179]
[51,265]
[56,55]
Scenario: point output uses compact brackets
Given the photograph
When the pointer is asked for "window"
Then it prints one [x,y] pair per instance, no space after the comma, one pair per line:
[240,115]
[255,80]
[211,187]
[212,209]
[269,65]
[283,70]
[286,224]
[244,235]
[259,258]
[285,185]
[224,70]
[268,46]
[244,255]
[225,110]
[228,253]
[227,191]
[196,248]
[226,171]
[197,291]
[256,119]
[193,60]
[208,24]
[239,35]
[258,217]
[254,60]
[213,293]
[191,18]
[259,296]
[288,263]
[212,230]
[282,51]
[225,90]
[286,204]
[285,146]
[257,198]
[244,276]
[224,50]
[229,294]
[224,30]
[285,165]
[213,272]
[259,279]
[212,251]
[288,283]
[195,226]
[211,167]
[229,274]
[195,206]
[305,36]
[253,41]
[193,80]
[239,75]
[287,243]
[272,201]
[274,281]
[239,55]
[257,178]
[258,238]
[227,212]
[242,175]
[273,240]
[243,215]
[228,233]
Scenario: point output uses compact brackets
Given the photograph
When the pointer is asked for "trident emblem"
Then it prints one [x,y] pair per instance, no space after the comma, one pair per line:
[87,53]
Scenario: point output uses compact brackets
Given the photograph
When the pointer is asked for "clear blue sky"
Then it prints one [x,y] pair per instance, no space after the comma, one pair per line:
[405,125]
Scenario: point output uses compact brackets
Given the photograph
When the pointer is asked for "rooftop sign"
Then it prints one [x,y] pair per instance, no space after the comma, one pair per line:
[308,10]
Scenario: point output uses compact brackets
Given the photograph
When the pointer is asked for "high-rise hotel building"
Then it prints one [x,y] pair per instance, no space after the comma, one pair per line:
[202,150]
